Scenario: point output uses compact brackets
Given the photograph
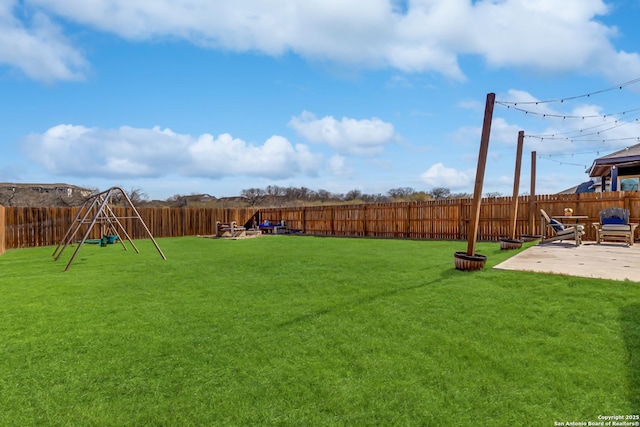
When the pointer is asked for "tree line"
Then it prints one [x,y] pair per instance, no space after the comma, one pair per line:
[269,196]
[276,196]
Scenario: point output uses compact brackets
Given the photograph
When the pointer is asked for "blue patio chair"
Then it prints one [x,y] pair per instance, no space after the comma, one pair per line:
[614,225]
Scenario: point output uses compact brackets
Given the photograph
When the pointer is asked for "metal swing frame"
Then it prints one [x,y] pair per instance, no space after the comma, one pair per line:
[97,210]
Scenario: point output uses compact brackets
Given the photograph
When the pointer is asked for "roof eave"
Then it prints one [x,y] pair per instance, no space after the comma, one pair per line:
[602,166]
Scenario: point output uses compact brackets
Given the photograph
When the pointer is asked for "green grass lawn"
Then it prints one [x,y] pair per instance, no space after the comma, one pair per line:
[292,330]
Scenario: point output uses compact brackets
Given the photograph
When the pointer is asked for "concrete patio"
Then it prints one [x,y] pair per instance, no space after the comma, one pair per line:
[615,261]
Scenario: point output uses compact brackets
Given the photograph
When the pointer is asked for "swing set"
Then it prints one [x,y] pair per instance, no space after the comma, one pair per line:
[97,211]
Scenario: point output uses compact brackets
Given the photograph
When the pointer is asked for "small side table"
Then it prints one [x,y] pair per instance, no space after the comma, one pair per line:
[573,217]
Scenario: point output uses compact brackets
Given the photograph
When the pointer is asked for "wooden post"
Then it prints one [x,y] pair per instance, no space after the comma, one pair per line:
[364,220]
[532,196]
[304,220]
[482,161]
[409,219]
[516,185]
[331,225]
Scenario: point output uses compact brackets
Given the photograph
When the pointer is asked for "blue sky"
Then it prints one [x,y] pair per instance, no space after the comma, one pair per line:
[187,96]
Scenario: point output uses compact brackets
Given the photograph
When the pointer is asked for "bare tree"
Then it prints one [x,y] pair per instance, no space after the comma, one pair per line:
[493,194]
[440,193]
[137,195]
[401,192]
[354,194]
[253,195]
[375,198]
[294,194]
[274,190]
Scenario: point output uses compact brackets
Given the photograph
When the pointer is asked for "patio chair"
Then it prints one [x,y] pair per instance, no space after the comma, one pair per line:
[614,225]
[230,230]
[559,230]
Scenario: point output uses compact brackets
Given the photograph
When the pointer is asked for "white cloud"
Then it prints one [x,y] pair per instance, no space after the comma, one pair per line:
[128,152]
[543,33]
[424,36]
[360,137]
[276,159]
[337,166]
[439,175]
[37,48]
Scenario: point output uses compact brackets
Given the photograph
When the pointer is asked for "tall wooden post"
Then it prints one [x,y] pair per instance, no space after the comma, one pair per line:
[482,161]
[516,185]
[532,196]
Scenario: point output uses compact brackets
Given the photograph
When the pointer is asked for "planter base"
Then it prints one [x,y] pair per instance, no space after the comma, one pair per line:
[466,262]
[530,237]
[506,244]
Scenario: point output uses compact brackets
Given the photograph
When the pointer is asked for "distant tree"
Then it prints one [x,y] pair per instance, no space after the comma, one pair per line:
[137,195]
[177,200]
[440,193]
[297,194]
[375,198]
[401,192]
[274,190]
[323,195]
[493,194]
[353,195]
[254,196]
[461,196]
[420,196]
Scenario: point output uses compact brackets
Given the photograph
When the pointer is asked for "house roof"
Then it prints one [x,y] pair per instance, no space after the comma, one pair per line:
[40,185]
[629,156]
[585,187]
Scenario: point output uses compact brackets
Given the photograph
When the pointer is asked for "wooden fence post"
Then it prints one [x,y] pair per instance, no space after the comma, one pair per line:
[304,220]
[364,220]
[532,197]
[333,232]
[409,219]
[516,185]
[482,162]
[460,220]
[3,235]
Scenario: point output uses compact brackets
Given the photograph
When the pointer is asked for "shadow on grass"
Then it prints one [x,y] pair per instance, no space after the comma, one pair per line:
[630,323]
[367,299]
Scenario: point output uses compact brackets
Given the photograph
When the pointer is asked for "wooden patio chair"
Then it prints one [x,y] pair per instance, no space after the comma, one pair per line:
[559,230]
[230,230]
[614,225]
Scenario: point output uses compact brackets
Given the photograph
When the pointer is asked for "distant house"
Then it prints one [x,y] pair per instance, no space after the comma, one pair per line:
[619,171]
[61,189]
[585,187]
[14,194]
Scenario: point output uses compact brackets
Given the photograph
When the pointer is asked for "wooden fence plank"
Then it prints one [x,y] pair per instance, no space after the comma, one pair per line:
[3,244]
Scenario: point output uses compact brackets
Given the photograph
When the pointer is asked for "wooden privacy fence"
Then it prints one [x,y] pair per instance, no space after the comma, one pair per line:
[2,232]
[30,227]
[441,219]
[449,219]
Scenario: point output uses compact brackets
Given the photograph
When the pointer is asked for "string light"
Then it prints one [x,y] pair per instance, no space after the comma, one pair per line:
[561,100]
[561,162]
[581,131]
[581,135]
[542,138]
[565,116]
